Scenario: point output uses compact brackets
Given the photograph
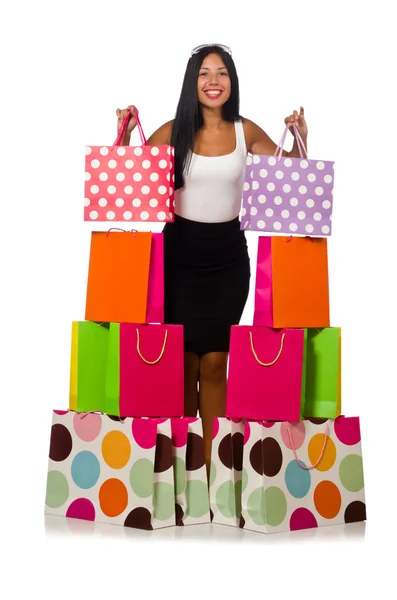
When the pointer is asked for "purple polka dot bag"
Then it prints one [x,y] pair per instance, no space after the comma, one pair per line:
[288,195]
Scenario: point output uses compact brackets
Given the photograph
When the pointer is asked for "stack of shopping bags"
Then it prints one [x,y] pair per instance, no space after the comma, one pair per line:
[285,458]
[124,453]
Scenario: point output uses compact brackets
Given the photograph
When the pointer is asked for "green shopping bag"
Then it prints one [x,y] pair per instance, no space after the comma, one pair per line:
[94,370]
[323,373]
[112,380]
[88,363]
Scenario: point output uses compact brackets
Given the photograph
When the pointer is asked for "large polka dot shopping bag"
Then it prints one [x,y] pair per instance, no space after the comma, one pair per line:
[226,476]
[288,195]
[302,475]
[191,485]
[126,183]
[114,471]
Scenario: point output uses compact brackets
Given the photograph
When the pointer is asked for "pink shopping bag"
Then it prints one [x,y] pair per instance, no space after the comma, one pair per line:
[127,183]
[151,370]
[263,312]
[267,373]
[155,301]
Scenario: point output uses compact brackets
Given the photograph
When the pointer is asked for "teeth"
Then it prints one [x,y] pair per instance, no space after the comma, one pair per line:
[213,93]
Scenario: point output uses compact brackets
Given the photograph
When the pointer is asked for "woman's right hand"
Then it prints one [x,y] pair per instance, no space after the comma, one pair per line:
[122,113]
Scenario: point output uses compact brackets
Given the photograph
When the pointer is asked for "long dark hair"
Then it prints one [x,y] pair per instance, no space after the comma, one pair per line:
[189,119]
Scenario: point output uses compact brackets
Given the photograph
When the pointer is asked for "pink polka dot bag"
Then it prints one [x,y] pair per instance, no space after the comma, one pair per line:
[127,183]
[288,195]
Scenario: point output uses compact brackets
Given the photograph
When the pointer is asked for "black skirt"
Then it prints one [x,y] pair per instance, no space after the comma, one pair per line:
[206,281]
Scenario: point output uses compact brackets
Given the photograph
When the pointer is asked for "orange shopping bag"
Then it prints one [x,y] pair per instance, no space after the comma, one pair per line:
[292,282]
[118,276]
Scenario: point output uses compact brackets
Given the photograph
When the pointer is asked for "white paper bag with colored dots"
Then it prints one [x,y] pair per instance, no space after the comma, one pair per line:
[114,471]
[126,183]
[302,475]
[191,485]
[226,476]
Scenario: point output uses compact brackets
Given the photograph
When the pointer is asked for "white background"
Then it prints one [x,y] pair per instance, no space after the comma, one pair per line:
[66,67]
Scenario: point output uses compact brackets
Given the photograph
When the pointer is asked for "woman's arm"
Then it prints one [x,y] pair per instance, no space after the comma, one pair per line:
[258,142]
[162,135]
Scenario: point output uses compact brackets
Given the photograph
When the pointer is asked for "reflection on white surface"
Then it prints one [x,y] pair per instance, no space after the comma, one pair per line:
[55,526]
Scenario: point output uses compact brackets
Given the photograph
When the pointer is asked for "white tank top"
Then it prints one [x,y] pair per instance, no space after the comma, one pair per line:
[214,185]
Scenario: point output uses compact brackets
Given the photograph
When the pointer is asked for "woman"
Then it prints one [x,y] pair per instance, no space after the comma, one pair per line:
[207,270]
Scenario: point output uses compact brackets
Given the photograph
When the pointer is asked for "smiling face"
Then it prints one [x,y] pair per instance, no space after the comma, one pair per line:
[213,85]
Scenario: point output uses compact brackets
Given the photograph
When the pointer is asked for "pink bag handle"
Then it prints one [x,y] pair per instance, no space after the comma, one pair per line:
[321,453]
[83,415]
[95,412]
[300,142]
[281,143]
[301,145]
[123,128]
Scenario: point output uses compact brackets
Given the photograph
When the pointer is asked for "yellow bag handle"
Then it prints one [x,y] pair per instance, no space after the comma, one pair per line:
[148,362]
[277,357]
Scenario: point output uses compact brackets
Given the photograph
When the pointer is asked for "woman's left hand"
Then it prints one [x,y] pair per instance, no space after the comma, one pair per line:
[299,120]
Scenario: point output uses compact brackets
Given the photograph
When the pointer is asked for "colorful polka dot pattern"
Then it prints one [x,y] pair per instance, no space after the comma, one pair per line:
[129,184]
[288,196]
[227,477]
[190,475]
[278,495]
[100,471]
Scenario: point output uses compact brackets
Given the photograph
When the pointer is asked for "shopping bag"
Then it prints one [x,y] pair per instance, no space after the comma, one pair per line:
[95,367]
[151,370]
[288,195]
[267,373]
[126,183]
[112,372]
[226,474]
[89,356]
[291,288]
[302,475]
[323,373]
[118,276]
[190,476]
[101,373]
[111,470]
[155,300]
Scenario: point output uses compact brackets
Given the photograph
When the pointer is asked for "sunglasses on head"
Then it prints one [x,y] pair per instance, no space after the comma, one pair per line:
[197,49]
